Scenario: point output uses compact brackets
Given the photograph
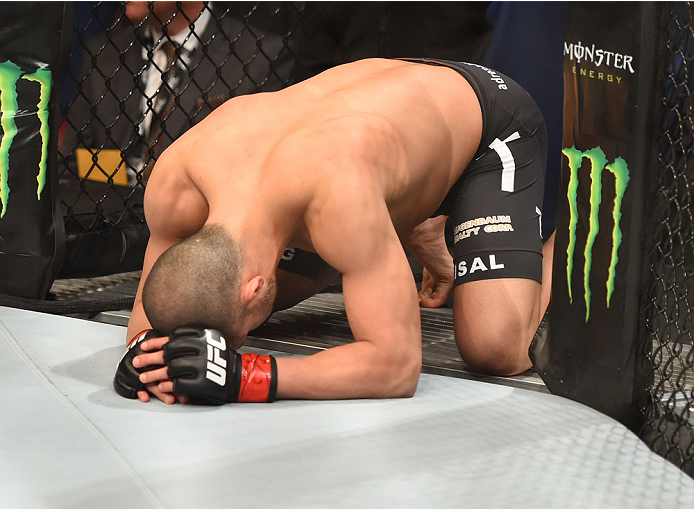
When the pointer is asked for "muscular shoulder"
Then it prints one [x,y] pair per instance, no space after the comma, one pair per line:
[344,212]
[174,206]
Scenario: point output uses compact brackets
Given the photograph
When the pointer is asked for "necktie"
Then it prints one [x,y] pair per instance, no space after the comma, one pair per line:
[162,105]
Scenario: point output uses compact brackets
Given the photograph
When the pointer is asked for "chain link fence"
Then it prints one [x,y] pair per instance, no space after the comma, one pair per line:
[139,75]
[667,355]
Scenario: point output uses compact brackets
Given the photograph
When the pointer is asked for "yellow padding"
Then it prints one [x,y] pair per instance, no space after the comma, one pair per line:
[102,164]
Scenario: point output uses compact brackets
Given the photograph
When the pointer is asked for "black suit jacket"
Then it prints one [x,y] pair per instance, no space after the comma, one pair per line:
[338,32]
[243,49]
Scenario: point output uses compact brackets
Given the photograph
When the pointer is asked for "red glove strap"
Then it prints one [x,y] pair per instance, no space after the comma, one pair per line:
[258,379]
[138,336]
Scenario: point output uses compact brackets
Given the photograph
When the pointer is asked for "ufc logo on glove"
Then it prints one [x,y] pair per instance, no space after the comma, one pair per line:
[216,364]
[201,366]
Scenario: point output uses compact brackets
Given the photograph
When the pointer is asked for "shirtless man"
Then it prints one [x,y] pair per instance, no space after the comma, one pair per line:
[352,164]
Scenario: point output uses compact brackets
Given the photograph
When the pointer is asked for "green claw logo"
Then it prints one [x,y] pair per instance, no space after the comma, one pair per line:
[620,170]
[10,73]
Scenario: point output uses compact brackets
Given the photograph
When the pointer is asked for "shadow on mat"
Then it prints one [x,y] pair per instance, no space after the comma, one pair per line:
[98,369]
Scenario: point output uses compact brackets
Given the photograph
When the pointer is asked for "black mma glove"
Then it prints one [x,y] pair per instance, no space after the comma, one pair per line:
[203,368]
[127,379]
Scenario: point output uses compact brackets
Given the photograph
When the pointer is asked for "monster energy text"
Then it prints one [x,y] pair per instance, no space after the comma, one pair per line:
[598,56]
[619,169]
[10,73]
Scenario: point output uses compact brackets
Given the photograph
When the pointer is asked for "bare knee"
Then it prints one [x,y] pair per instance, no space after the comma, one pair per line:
[495,321]
[497,347]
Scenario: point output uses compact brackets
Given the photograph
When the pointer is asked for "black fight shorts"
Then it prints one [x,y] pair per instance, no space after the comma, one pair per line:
[495,207]
[303,263]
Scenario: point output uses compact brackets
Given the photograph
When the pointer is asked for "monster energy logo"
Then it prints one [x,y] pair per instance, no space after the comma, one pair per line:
[598,163]
[10,73]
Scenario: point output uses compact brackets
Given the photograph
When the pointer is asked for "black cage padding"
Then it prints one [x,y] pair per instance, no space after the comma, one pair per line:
[620,335]
[34,40]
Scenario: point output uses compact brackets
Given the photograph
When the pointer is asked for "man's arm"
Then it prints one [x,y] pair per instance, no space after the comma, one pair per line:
[155,247]
[174,209]
[427,243]
[380,301]
[138,319]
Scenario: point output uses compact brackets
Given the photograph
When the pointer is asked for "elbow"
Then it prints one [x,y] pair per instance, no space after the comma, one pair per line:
[407,385]
[401,378]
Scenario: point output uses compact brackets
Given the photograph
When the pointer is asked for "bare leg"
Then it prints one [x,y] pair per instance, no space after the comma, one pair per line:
[495,320]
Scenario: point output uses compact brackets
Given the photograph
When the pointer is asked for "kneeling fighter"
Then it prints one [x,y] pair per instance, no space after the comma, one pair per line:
[351,166]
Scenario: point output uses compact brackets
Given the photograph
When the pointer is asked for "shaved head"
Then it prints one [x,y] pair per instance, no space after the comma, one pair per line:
[197,282]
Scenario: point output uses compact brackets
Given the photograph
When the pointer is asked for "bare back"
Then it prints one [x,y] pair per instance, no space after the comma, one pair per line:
[408,129]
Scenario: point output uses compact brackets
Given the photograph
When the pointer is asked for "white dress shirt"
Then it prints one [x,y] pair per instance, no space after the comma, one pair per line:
[152,77]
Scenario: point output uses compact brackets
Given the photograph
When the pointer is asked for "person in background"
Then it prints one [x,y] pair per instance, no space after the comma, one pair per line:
[335,33]
[162,67]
